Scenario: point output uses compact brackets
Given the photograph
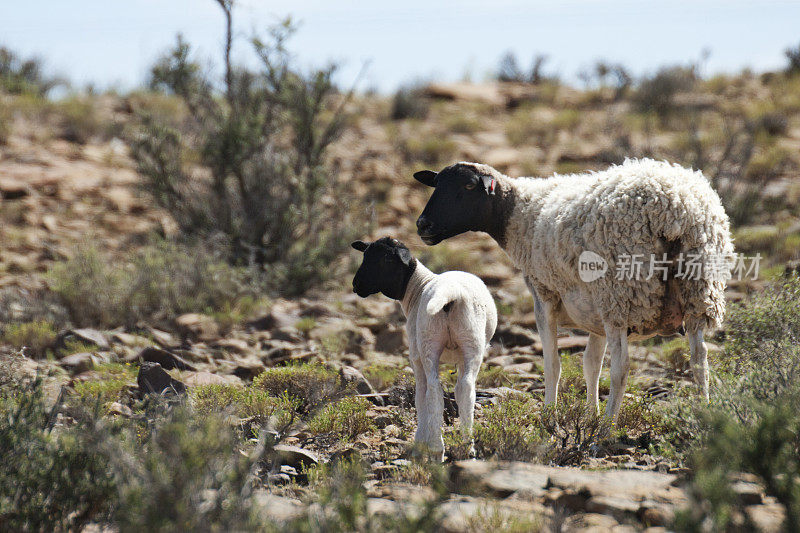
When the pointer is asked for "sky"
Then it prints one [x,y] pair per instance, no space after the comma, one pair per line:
[111,43]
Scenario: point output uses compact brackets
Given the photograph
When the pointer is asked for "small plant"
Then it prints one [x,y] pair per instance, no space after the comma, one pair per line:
[310,385]
[346,419]
[496,376]
[676,355]
[382,377]
[409,102]
[79,120]
[37,337]
[657,92]
[429,149]
[159,281]
[574,427]
[509,430]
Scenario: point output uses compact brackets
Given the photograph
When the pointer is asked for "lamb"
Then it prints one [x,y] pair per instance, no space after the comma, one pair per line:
[450,318]
[661,215]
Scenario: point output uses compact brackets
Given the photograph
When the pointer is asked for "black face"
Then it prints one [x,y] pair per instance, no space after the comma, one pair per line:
[460,202]
[387,266]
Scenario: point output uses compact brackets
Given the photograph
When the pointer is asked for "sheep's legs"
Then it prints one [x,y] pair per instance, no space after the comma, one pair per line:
[699,357]
[465,390]
[618,349]
[547,325]
[433,407]
[592,365]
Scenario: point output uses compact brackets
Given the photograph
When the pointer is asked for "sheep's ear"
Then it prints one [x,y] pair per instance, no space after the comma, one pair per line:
[359,245]
[489,184]
[426,177]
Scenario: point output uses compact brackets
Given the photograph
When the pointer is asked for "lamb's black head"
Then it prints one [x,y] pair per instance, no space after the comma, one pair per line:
[387,266]
[461,201]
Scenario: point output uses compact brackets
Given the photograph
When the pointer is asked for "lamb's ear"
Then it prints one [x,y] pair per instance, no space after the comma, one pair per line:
[426,177]
[359,245]
[489,184]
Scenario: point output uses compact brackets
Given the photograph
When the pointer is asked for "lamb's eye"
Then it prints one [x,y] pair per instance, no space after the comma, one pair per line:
[469,186]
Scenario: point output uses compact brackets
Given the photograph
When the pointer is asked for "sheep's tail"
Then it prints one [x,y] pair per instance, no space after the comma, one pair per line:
[443,298]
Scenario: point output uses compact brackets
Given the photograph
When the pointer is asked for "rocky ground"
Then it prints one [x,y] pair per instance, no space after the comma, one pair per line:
[58,196]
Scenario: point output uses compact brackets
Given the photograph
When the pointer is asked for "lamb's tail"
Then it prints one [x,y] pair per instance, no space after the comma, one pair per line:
[443,298]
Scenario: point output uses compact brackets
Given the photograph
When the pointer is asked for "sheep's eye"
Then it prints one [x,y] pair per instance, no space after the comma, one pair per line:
[469,186]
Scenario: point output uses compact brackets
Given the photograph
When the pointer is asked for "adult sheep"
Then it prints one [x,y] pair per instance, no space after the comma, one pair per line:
[616,217]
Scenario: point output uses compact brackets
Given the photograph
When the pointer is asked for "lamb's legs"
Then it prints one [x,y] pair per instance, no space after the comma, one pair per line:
[419,398]
[592,365]
[431,423]
[699,357]
[618,349]
[465,390]
[547,325]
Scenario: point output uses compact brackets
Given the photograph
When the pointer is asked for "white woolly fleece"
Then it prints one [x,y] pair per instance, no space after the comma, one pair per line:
[638,207]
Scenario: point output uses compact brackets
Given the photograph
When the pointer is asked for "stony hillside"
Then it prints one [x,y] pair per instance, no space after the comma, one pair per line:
[63,193]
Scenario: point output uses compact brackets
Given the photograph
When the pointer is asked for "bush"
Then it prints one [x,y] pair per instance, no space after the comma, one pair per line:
[49,481]
[265,181]
[78,119]
[793,57]
[573,427]
[346,419]
[310,385]
[509,430]
[753,425]
[657,92]
[409,102]
[245,402]
[23,76]
[37,337]
[157,282]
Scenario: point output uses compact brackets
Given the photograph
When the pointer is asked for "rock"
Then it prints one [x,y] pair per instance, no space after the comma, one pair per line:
[295,456]
[280,315]
[593,522]
[162,338]
[344,336]
[392,339]
[573,343]
[153,379]
[237,346]
[767,518]
[619,507]
[197,326]
[129,340]
[280,509]
[352,376]
[248,367]
[167,360]
[13,189]
[468,92]
[85,336]
[117,408]
[80,362]
[748,493]
[483,478]
[511,335]
[198,379]
[287,334]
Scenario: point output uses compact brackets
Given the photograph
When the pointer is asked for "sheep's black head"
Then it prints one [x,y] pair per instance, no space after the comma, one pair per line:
[387,266]
[461,201]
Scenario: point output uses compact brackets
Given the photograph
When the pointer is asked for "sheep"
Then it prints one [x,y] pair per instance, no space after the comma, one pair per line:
[450,318]
[551,228]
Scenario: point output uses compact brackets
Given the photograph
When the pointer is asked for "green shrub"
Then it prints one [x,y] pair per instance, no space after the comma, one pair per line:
[311,385]
[573,428]
[23,76]
[510,430]
[79,119]
[108,383]
[431,149]
[657,92]
[49,481]
[37,337]
[244,402]
[157,282]
[262,144]
[346,419]
[753,424]
[382,377]
[496,376]
[409,102]
[676,354]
